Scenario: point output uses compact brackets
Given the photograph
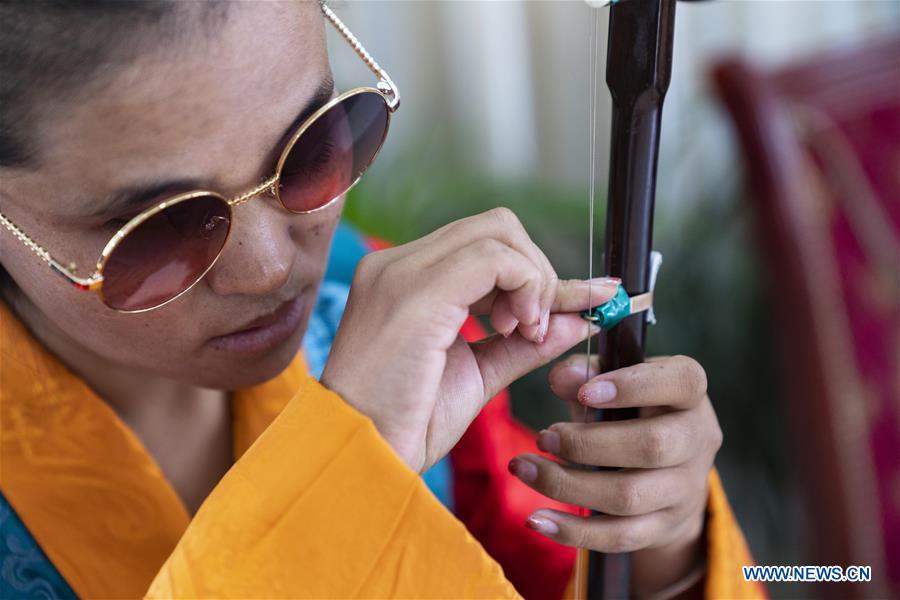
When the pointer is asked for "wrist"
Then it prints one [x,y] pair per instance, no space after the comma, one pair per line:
[401,440]
[407,448]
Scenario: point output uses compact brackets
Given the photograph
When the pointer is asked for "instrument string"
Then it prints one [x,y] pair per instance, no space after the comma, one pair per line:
[592,153]
[582,556]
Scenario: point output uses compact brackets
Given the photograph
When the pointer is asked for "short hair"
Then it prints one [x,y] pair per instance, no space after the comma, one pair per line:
[52,49]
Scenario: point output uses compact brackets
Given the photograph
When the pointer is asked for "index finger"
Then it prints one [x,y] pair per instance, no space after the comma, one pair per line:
[576,295]
[678,382]
[572,295]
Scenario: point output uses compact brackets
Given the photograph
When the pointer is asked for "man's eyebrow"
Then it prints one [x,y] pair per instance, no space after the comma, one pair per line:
[136,197]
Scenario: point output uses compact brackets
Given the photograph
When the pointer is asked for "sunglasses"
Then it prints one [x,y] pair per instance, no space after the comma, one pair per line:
[165,250]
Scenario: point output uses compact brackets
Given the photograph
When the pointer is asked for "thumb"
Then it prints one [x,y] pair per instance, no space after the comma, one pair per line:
[503,360]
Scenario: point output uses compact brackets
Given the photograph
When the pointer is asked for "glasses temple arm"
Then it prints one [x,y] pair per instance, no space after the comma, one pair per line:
[386,85]
[90,283]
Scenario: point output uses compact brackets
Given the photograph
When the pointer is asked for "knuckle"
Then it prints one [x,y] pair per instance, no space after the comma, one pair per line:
[393,285]
[627,499]
[367,268]
[693,376]
[553,482]
[390,276]
[573,445]
[504,216]
[655,446]
[552,287]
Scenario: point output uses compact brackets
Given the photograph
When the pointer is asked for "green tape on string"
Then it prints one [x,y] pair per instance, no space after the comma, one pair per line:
[610,313]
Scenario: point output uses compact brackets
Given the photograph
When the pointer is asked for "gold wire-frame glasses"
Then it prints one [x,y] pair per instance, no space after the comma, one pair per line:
[385,88]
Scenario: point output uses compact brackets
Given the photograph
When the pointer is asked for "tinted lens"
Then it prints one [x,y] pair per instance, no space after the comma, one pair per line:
[333,152]
[166,254]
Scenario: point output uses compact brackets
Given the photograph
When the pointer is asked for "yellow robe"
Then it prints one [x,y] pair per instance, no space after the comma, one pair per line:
[316,504]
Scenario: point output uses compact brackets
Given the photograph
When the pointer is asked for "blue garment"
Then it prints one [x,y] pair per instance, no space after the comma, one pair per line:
[323,324]
[25,571]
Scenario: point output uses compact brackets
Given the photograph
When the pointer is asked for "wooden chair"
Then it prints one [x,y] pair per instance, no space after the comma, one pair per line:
[821,142]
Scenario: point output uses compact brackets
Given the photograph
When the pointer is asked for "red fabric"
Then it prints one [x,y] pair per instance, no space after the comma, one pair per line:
[493,503]
[376,243]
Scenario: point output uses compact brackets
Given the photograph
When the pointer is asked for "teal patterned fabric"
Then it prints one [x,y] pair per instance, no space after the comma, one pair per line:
[323,324]
[25,571]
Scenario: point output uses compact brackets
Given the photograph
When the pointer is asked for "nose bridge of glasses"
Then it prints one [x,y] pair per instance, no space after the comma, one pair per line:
[267,186]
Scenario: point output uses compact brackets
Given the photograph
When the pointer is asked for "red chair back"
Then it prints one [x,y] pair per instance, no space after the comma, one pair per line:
[821,141]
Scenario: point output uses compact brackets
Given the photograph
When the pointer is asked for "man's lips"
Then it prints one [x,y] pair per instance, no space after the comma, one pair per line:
[265,332]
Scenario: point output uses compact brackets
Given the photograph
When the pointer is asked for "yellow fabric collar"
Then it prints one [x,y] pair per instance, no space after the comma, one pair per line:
[82,482]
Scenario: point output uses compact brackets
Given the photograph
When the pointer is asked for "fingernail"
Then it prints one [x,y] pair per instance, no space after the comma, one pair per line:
[600,281]
[599,392]
[543,327]
[523,469]
[508,332]
[548,441]
[542,525]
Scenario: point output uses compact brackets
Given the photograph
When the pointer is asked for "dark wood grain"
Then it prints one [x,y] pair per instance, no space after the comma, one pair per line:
[638,70]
